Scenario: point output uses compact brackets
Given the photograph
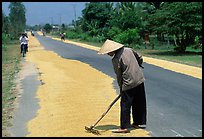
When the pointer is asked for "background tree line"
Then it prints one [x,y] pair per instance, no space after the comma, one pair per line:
[14,24]
[129,22]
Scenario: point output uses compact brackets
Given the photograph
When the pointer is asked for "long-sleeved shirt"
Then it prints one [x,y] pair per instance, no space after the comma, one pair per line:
[128,72]
[23,40]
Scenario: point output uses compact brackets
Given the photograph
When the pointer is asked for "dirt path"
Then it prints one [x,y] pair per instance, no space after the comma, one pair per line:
[73,95]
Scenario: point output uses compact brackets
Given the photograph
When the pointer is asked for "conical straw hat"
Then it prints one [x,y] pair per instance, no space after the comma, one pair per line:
[109,46]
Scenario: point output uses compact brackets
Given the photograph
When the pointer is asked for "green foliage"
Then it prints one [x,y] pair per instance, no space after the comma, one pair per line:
[185,16]
[5,24]
[5,39]
[97,38]
[17,18]
[95,17]
[182,19]
[4,47]
[102,20]
[128,37]
[156,5]
[36,27]
[92,39]
[93,27]
[197,43]
[47,27]
[63,28]
[55,33]
[72,35]
[196,39]
[126,16]
[84,36]
[113,32]
[101,38]
[136,46]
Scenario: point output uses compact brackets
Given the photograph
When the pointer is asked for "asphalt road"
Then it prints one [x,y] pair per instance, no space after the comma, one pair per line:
[174,100]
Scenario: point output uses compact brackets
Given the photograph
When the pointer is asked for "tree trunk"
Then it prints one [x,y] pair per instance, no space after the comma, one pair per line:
[146,39]
[181,44]
[159,37]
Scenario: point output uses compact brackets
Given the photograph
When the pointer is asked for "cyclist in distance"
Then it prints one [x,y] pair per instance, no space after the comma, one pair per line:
[24,42]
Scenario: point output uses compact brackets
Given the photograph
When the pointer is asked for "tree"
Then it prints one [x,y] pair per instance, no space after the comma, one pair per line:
[47,27]
[156,5]
[96,16]
[2,18]
[128,37]
[125,16]
[5,30]
[17,18]
[152,8]
[63,27]
[182,19]
[5,24]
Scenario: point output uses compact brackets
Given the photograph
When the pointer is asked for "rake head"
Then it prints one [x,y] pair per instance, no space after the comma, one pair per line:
[91,130]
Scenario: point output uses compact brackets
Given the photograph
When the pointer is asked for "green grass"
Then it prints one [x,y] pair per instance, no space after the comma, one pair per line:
[89,43]
[190,57]
[10,67]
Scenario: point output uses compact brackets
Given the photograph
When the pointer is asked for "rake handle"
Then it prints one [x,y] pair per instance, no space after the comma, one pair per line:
[106,110]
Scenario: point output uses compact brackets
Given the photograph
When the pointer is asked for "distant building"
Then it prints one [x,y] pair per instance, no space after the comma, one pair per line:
[70,26]
[55,28]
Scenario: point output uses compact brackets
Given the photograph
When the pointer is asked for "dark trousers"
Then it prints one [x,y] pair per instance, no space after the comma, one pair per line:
[62,38]
[26,47]
[136,99]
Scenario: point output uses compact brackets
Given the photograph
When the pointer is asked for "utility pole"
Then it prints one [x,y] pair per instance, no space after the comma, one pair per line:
[60,22]
[51,20]
[59,14]
[74,13]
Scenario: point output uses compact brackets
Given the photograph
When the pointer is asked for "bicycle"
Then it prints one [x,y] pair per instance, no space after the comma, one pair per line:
[23,50]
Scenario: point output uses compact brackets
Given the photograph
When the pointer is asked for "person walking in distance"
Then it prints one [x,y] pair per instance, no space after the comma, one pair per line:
[130,79]
[62,36]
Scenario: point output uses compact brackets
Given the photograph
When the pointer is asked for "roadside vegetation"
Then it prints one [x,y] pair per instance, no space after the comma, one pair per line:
[10,67]
[12,27]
